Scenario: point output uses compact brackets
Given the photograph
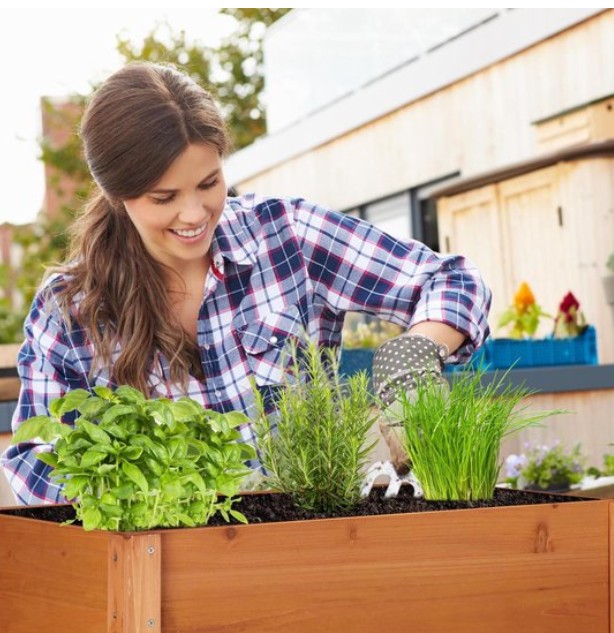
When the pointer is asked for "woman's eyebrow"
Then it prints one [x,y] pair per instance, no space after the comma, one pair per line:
[213,173]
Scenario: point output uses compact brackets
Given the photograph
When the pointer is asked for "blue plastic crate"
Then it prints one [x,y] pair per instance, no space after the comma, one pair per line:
[502,353]
[355,360]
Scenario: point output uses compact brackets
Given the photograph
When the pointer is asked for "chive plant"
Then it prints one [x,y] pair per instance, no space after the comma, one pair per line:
[131,463]
[453,436]
[316,445]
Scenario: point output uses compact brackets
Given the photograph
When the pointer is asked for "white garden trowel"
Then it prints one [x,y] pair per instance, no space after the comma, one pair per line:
[381,469]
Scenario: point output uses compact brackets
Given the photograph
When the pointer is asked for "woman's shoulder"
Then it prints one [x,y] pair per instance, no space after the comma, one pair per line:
[49,297]
[251,208]
[53,284]
[265,204]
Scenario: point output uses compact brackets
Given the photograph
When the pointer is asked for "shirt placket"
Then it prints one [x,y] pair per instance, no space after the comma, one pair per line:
[213,383]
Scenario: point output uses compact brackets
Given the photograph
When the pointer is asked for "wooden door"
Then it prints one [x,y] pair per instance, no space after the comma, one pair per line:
[469,225]
[538,247]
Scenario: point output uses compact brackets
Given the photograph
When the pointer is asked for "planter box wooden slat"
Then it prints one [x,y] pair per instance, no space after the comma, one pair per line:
[134,583]
[539,568]
[52,578]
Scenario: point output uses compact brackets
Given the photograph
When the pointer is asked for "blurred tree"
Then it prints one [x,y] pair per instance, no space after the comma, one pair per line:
[240,58]
[233,72]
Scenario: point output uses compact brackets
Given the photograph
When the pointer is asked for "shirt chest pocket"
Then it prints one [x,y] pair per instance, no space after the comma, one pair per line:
[265,343]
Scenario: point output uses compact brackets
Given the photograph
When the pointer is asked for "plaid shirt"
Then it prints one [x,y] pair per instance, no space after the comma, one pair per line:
[280,267]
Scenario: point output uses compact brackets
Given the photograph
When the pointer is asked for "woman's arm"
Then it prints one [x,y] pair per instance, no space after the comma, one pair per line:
[355,266]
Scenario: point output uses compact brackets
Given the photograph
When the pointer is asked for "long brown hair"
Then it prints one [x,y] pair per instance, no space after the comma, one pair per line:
[136,124]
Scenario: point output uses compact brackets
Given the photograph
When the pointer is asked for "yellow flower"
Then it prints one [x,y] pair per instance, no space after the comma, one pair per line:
[524,298]
[523,315]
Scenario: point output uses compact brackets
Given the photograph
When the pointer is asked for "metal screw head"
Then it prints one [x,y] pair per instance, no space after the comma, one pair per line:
[151,623]
[151,550]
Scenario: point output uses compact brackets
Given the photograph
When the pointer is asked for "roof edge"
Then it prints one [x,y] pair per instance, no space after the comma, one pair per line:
[595,149]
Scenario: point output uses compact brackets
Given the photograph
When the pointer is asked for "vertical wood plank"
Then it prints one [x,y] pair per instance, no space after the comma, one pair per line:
[134,584]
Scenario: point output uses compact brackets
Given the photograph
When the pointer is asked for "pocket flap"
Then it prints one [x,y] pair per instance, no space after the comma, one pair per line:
[272,331]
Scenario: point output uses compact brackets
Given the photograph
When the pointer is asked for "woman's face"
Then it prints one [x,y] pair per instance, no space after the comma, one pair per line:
[177,216]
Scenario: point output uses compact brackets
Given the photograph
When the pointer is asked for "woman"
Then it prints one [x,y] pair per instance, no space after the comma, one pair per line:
[176,289]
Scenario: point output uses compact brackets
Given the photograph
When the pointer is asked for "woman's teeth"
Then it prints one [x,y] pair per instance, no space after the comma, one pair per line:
[189,232]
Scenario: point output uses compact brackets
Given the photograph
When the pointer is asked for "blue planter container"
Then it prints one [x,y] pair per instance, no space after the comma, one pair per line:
[355,360]
[502,353]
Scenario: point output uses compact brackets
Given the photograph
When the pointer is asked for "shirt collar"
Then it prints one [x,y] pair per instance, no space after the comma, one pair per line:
[235,235]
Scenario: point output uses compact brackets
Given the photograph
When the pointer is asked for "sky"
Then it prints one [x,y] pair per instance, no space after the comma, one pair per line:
[56,52]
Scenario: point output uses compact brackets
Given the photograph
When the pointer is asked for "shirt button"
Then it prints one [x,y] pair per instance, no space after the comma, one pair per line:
[218,394]
[206,346]
[273,339]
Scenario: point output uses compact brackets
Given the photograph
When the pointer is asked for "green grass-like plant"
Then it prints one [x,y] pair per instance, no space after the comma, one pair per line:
[453,436]
[130,463]
[317,446]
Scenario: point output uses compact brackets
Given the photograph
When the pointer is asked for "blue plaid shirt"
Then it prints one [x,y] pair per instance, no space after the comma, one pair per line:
[280,267]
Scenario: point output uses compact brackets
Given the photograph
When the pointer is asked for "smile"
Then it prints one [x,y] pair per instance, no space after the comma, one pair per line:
[190,232]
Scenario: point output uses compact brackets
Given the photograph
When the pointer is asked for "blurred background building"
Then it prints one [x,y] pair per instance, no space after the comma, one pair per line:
[484,132]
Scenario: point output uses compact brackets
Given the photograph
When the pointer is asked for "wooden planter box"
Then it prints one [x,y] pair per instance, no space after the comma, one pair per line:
[540,568]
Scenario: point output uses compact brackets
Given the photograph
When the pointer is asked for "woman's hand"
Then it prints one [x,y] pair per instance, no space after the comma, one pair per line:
[398,365]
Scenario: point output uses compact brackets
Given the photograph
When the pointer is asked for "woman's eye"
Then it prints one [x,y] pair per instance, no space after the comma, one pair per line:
[162,200]
[209,184]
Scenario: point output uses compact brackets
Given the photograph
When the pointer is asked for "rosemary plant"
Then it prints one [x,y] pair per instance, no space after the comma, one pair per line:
[316,446]
[453,436]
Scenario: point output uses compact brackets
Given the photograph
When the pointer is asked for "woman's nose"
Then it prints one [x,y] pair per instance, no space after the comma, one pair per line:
[193,211]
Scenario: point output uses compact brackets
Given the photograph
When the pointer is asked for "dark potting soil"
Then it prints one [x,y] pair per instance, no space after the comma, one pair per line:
[270,508]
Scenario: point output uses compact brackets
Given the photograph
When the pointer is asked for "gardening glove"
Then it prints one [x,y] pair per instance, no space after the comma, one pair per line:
[397,366]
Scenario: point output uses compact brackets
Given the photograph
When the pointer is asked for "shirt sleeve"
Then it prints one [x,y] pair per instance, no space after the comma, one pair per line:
[44,365]
[355,266]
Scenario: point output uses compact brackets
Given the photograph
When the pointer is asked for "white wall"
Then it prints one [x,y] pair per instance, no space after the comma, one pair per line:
[313,57]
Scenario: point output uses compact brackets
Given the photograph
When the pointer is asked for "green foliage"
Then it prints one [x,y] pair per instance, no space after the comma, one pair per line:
[163,45]
[544,466]
[320,446]
[524,324]
[606,471]
[610,263]
[360,335]
[233,72]
[241,88]
[11,323]
[453,436]
[131,463]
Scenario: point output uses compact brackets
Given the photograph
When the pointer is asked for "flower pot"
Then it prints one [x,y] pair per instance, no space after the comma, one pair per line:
[354,360]
[503,353]
[535,568]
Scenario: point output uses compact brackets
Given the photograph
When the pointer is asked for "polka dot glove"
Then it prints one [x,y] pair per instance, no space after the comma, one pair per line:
[403,360]
[397,365]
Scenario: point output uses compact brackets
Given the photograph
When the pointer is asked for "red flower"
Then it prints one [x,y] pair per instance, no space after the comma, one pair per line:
[569,306]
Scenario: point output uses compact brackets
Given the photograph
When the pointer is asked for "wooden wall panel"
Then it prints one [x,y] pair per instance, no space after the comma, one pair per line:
[474,125]
[588,421]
